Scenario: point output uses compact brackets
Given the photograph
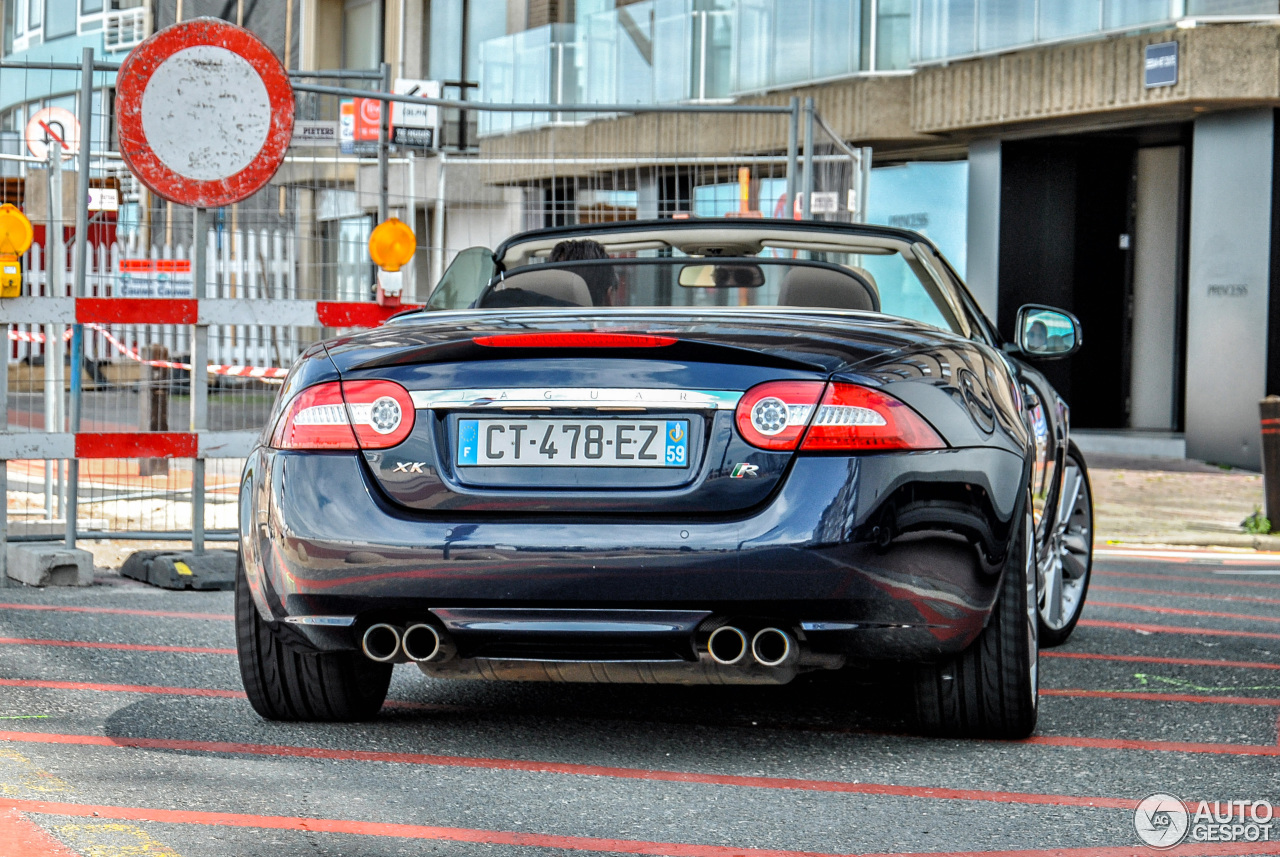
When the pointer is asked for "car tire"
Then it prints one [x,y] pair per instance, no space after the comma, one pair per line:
[1068,561]
[285,682]
[990,690]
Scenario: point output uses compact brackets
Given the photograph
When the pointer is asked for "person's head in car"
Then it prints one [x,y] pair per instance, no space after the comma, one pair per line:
[1037,336]
[737,276]
[600,279]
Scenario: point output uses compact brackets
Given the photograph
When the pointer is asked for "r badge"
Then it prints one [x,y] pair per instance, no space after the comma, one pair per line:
[744,471]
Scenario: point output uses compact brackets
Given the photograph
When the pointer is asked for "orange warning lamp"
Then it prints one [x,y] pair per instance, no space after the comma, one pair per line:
[391,244]
[15,239]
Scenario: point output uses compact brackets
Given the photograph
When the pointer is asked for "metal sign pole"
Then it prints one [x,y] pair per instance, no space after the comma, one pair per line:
[199,377]
[81,261]
[384,141]
[793,135]
[55,285]
[806,207]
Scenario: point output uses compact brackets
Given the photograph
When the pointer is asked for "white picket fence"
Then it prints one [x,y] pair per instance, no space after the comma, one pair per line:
[245,264]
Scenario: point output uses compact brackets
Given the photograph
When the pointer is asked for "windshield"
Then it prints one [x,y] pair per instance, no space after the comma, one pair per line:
[885,283]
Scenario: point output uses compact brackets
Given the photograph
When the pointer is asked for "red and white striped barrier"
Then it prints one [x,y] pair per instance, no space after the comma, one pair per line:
[249,311]
[95,312]
[38,338]
[263,373]
[167,444]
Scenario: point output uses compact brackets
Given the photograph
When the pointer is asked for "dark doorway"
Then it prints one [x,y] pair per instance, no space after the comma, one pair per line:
[1067,214]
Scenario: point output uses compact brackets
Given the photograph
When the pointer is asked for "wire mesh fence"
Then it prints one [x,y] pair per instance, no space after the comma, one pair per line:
[479,173]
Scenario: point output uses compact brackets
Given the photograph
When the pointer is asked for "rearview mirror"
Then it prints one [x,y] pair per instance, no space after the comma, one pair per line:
[728,276]
[1046,332]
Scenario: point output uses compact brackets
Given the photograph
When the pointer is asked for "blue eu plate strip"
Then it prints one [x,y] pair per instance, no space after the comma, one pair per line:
[677,444]
[468,441]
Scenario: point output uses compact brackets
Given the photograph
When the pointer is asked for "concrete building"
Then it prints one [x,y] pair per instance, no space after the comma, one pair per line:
[1120,154]
[1113,157]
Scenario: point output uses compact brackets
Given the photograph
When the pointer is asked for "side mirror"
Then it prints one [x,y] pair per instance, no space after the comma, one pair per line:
[1046,332]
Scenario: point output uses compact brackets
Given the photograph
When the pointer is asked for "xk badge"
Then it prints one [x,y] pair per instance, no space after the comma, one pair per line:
[744,471]
[409,467]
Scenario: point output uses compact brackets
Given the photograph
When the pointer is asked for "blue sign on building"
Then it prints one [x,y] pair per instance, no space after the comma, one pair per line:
[1161,65]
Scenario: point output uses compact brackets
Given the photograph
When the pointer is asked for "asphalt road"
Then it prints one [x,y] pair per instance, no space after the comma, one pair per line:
[123,731]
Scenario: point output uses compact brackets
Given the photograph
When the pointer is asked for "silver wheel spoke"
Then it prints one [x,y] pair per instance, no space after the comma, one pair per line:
[1053,593]
[1064,571]
[1071,482]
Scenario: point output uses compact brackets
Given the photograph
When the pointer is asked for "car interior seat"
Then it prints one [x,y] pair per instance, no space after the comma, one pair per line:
[562,287]
[831,289]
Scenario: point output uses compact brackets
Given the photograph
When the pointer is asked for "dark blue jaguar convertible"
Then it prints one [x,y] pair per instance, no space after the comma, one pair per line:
[689,452]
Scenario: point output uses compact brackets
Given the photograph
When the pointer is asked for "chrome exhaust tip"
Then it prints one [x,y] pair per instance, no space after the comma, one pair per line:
[727,645]
[773,647]
[381,643]
[422,643]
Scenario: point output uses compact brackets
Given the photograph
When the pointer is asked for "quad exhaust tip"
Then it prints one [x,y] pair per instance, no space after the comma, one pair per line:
[773,647]
[422,643]
[381,642]
[727,645]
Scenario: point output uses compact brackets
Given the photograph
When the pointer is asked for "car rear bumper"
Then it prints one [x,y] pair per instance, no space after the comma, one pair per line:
[884,557]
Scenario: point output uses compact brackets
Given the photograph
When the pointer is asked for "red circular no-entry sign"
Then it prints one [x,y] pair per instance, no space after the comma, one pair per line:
[205,112]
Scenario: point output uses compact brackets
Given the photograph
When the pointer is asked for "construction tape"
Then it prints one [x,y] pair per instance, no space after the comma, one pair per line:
[270,374]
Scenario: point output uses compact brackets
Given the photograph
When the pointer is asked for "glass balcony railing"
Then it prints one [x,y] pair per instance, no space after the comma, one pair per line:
[671,51]
[946,29]
[537,66]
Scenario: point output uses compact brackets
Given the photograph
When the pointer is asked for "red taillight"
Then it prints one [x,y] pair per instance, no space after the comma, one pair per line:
[861,419]
[774,415]
[579,339]
[346,415]
[381,411]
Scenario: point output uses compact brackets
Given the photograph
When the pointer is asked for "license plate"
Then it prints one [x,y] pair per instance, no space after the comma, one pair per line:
[573,443]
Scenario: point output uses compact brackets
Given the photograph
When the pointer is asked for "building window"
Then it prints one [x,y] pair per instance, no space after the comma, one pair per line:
[34,10]
[10,15]
[362,34]
[893,34]
[446,52]
[90,7]
[59,19]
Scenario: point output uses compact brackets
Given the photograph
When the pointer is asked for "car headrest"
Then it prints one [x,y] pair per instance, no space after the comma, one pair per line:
[827,288]
[564,287]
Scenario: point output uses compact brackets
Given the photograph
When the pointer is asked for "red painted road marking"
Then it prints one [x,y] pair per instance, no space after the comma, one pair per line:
[1176,629]
[1148,696]
[189,691]
[1212,595]
[1220,581]
[1180,611]
[1153,746]
[1188,556]
[168,614]
[775,783]
[124,647]
[1143,659]
[427,706]
[567,843]
[120,688]
[22,837]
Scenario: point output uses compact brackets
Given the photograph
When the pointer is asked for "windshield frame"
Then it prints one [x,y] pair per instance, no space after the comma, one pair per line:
[935,287]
